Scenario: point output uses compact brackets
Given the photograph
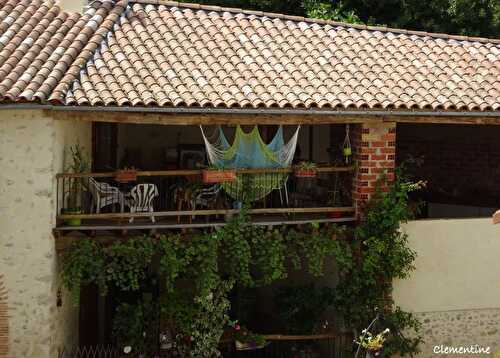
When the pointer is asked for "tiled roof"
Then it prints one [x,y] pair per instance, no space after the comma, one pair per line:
[158,53]
[42,49]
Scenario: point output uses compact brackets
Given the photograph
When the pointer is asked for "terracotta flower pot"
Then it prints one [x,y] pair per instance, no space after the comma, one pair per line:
[300,173]
[126,175]
[218,176]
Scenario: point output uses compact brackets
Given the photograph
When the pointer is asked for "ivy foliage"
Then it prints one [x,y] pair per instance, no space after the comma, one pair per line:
[196,303]
[83,264]
[381,254]
[127,262]
[198,271]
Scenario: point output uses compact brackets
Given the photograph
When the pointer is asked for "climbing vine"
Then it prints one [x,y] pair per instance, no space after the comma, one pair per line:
[381,254]
[83,264]
[197,285]
[127,261]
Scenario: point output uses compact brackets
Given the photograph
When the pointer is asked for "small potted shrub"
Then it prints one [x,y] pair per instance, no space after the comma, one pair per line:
[305,170]
[126,175]
[244,340]
[213,175]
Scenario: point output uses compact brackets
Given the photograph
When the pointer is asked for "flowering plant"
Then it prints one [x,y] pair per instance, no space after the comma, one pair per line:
[372,343]
[243,335]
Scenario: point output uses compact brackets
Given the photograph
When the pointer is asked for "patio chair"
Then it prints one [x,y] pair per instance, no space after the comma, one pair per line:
[141,199]
[104,194]
[206,197]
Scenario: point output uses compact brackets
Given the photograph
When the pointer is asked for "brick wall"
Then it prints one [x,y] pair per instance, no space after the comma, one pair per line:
[4,323]
[460,163]
[374,150]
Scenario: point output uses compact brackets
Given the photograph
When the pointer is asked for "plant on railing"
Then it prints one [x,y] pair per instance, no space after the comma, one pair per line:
[78,163]
[305,169]
[125,175]
[83,264]
[245,339]
[383,255]
[214,174]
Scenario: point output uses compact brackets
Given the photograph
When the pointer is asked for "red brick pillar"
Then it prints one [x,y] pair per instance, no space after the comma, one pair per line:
[374,152]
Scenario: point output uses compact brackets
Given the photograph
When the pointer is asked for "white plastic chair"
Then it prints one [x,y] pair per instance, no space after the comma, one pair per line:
[141,199]
[104,194]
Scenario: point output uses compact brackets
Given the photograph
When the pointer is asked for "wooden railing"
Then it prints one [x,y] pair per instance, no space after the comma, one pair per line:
[93,201]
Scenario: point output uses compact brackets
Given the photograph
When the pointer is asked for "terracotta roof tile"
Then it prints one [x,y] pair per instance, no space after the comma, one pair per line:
[42,48]
[161,53]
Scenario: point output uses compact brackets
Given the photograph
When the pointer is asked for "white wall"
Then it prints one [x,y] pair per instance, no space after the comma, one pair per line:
[455,289]
[458,266]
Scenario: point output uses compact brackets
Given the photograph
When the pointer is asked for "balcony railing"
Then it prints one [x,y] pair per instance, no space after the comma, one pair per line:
[180,199]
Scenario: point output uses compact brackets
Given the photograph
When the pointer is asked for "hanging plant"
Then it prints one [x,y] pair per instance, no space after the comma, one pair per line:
[346,146]
[127,262]
[83,265]
[236,249]
[268,256]
[175,256]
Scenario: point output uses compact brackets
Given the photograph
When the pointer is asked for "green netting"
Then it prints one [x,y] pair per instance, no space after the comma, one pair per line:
[250,151]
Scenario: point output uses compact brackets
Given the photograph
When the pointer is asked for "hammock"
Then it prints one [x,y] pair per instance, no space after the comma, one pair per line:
[250,151]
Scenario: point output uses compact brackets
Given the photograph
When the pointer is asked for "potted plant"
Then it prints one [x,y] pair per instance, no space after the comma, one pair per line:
[244,340]
[305,170]
[372,344]
[213,175]
[126,175]
[79,163]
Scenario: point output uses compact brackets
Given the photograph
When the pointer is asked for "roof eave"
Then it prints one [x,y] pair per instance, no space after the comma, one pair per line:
[267,111]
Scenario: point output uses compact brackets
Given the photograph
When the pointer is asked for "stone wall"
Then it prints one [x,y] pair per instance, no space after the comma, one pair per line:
[31,144]
[460,328]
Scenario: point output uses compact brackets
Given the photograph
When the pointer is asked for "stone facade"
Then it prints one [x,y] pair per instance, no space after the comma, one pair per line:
[461,328]
[31,151]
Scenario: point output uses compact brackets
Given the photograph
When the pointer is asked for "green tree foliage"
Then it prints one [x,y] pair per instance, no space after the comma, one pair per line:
[463,17]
